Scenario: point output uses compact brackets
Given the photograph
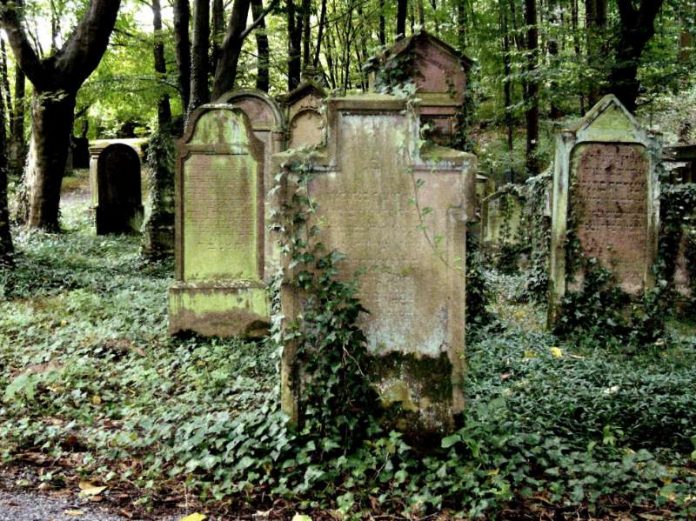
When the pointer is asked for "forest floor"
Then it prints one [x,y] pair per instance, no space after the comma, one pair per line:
[101,409]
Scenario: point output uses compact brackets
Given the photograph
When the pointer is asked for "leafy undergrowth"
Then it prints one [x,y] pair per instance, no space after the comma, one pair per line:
[92,386]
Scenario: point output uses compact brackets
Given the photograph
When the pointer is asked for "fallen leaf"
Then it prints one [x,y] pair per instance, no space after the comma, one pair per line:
[301,517]
[556,352]
[89,489]
[74,513]
[194,517]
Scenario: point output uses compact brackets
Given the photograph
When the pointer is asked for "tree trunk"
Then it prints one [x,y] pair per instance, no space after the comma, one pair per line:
[552,47]
[18,145]
[637,27]
[164,111]
[596,26]
[294,45]
[507,80]
[199,58]
[6,249]
[218,31]
[306,33]
[461,24]
[320,31]
[532,94]
[263,81]
[52,122]
[182,44]
[382,22]
[226,72]
[401,14]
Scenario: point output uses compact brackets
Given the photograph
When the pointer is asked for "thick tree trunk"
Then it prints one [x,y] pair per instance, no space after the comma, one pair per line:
[596,26]
[52,122]
[532,94]
[18,146]
[226,72]
[263,81]
[200,93]
[401,14]
[218,31]
[182,44]
[164,111]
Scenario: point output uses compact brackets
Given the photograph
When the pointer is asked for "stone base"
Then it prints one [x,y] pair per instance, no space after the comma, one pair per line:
[118,219]
[225,309]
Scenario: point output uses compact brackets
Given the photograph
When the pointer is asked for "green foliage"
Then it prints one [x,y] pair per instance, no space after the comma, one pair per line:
[478,292]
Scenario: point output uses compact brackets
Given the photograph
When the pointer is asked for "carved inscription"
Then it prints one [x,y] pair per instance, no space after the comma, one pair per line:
[610,206]
[220,217]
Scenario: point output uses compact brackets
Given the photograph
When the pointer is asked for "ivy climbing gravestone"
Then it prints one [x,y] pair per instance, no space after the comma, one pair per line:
[502,216]
[219,227]
[605,203]
[398,213]
[116,189]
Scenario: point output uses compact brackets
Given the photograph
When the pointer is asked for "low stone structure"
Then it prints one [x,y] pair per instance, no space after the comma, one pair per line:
[115,182]
[605,202]
[399,214]
[502,219]
[305,115]
[220,227]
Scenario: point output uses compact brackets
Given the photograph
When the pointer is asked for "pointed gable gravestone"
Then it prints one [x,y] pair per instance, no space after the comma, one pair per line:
[439,73]
[116,188]
[371,192]
[220,233]
[605,202]
[304,115]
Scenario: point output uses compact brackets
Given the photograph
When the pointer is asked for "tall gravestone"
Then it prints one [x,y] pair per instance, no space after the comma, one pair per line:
[268,124]
[116,189]
[371,193]
[502,216]
[606,199]
[220,232]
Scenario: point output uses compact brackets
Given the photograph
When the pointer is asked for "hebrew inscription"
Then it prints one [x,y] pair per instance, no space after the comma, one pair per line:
[610,200]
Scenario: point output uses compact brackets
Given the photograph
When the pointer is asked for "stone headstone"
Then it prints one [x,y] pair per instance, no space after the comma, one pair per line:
[503,218]
[439,73]
[306,122]
[606,196]
[268,123]
[116,188]
[371,194]
[220,232]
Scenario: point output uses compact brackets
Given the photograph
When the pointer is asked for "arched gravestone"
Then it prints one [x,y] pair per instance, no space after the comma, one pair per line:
[117,191]
[368,176]
[268,124]
[606,196]
[220,232]
[306,122]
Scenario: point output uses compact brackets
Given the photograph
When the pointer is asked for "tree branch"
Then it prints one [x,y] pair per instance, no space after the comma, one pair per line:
[256,22]
[11,21]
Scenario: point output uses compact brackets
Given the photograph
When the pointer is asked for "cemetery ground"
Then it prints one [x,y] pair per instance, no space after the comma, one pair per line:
[96,394]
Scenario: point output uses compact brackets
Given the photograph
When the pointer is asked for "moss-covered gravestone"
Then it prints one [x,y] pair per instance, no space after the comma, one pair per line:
[398,213]
[502,216]
[306,121]
[219,227]
[605,203]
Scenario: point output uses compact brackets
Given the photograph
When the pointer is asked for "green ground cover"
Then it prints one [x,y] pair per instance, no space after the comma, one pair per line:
[90,380]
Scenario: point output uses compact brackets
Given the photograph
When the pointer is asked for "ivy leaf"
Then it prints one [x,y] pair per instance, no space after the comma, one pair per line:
[448,441]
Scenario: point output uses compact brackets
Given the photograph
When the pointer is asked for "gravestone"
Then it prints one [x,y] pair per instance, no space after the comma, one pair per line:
[304,115]
[437,70]
[372,189]
[116,188]
[502,216]
[605,196]
[220,232]
[268,123]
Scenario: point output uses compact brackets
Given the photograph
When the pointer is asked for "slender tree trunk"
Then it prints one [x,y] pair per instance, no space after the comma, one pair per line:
[401,14]
[218,31]
[595,25]
[164,111]
[507,80]
[382,23]
[226,72]
[6,249]
[52,122]
[552,46]
[200,93]
[263,81]
[5,79]
[461,24]
[182,44]
[320,31]
[306,33]
[532,95]
[294,45]
[575,27]
[18,145]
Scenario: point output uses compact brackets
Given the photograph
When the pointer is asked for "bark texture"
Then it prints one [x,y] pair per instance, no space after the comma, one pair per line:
[532,87]
[200,93]
[263,81]
[182,44]
[56,80]
[6,249]
[226,72]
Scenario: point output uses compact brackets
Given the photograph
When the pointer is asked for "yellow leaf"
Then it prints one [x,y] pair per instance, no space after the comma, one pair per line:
[556,352]
[194,517]
[96,399]
[529,355]
[89,489]
[301,517]
[73,513]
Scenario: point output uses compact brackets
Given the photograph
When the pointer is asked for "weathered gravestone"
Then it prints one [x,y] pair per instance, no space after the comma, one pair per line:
[268,123]
[439,73]
[220,233]
[372,191]
[115,181]
[304,115]
[606,199]
[502,216]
